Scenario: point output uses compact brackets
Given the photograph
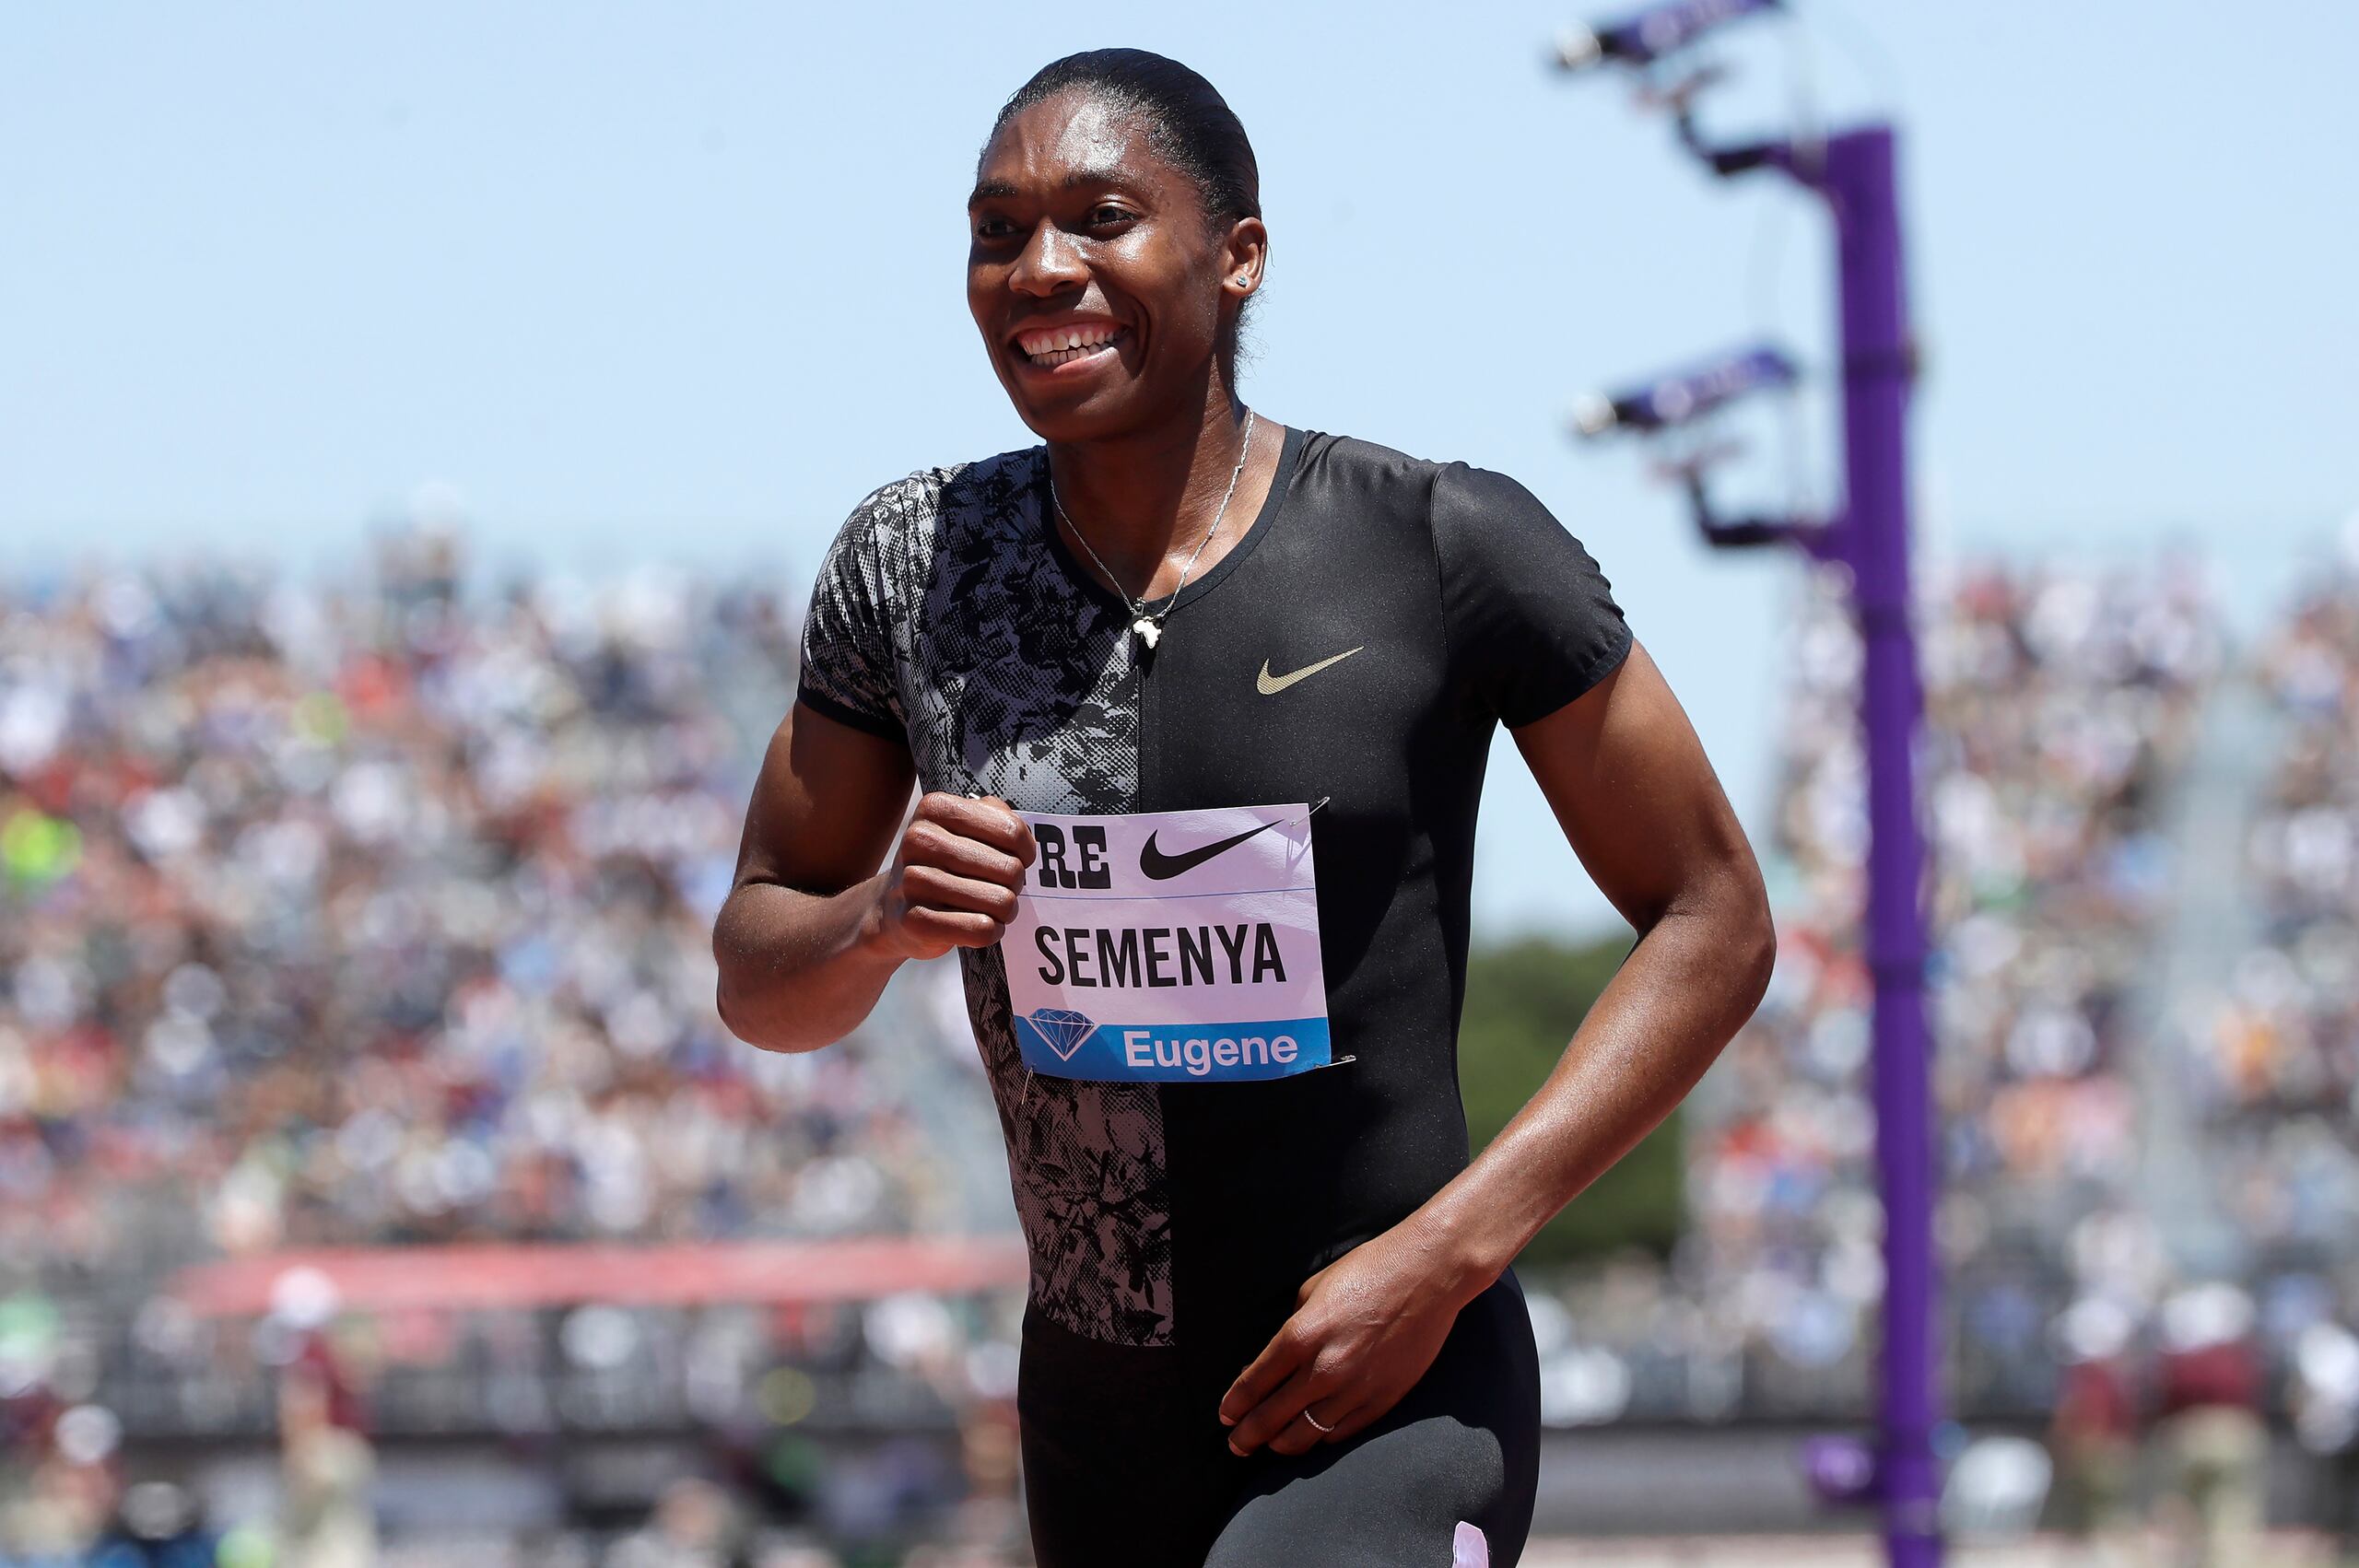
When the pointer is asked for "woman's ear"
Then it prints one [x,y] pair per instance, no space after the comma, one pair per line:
[1244,255]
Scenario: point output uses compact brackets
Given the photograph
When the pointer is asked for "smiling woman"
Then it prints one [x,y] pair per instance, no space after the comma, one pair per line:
[1127,169]
[1271,1318]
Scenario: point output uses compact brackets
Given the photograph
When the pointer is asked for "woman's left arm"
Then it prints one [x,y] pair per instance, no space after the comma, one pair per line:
[1638,802]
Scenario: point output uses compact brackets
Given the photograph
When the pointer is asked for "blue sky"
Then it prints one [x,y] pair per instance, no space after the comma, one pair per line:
[681,282]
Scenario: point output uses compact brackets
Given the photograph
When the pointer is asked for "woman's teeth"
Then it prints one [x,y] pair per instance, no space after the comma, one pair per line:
[1063,345]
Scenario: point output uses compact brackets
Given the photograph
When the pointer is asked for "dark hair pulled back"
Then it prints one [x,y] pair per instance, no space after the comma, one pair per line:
[1186,119]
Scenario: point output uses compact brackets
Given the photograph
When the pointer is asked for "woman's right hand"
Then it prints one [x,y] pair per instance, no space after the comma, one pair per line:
[954,876]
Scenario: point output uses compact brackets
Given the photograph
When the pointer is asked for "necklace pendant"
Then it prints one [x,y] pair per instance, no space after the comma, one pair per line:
[1149,630]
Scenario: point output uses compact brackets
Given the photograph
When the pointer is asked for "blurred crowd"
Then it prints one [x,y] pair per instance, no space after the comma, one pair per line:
[2278,1065]
[2274,1056]
[2061,703]
[379,911]
[382,913]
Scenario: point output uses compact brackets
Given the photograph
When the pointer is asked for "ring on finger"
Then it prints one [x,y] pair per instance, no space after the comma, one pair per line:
[1316,1424]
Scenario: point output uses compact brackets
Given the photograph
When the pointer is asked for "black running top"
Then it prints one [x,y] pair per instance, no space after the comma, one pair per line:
[950,617]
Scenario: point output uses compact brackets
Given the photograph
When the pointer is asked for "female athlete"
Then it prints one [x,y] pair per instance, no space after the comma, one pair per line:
[1271,1318]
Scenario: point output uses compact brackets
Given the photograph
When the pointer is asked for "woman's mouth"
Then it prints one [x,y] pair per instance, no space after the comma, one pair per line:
[1047,348]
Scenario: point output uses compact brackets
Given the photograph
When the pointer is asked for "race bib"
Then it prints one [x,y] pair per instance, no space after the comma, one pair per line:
[1169,947]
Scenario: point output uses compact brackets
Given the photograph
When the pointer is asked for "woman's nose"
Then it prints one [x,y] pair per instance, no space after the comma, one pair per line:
[1049,261]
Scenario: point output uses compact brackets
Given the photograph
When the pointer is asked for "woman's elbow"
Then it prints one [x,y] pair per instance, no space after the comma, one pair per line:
[767,1033]
[1757,939]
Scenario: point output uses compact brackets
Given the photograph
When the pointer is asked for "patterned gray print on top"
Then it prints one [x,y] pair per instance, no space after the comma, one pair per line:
[942,607]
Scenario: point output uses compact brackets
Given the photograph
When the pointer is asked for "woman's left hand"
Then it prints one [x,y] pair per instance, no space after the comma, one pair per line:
[1365,1328]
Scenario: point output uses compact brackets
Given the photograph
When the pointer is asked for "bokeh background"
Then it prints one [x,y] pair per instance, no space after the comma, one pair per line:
[418,428]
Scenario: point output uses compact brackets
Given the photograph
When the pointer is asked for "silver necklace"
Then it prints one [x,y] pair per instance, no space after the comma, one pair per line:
[1150,627]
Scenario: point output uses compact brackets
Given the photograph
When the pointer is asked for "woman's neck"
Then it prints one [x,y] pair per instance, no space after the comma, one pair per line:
[1143,502]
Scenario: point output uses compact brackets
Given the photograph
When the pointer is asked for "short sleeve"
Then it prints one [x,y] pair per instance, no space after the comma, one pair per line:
[1531,618]
[846,641]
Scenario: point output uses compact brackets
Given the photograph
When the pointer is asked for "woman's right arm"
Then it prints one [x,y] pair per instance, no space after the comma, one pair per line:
[811,929]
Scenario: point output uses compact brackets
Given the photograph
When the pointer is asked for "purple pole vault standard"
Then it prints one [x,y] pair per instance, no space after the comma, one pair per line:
[1854,172]
[1857,177]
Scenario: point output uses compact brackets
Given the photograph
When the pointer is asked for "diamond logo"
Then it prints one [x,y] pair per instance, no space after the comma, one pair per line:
[1065,1030]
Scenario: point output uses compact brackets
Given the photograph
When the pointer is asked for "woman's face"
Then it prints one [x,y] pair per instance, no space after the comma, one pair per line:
[1098,284]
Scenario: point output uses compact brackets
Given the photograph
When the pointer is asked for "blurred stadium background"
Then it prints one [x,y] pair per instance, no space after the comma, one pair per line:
[357,1037]
[376,1184]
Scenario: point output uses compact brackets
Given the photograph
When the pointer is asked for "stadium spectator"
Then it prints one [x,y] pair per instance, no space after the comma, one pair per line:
[327,1516]
[2326,1419]
[2093,1432]
[2213,1444]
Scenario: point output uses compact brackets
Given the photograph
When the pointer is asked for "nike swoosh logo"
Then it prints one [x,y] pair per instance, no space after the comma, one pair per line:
[1160,867]
[1271,686]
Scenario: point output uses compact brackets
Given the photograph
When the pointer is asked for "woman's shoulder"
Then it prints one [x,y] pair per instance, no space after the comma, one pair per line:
[924,494]
[1375,458]
[908,523]
[1356,454]
[1371,467]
